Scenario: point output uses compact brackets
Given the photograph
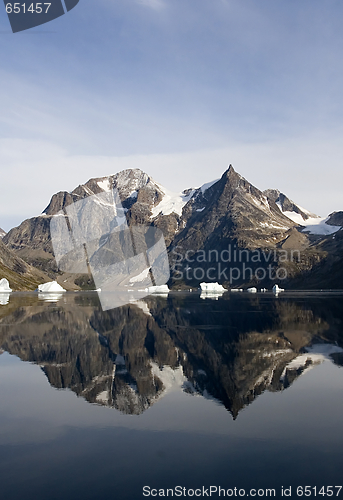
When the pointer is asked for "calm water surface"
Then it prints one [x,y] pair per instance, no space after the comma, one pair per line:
[244,391]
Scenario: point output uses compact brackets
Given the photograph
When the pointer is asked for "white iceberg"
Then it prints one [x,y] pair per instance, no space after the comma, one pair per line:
[157,289]
[212,287]
[252,290]
[51,287]
[276,289]
[5,286]
[236,290]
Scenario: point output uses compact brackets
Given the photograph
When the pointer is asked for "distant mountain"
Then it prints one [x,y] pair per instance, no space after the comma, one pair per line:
[226,213]
[287,206]
[2,233]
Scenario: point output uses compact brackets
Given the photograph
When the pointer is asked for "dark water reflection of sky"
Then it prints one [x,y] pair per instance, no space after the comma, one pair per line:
[225,412]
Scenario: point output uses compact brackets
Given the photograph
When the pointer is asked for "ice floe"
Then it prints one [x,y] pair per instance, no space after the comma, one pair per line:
[51,287]
[212,287]
[5,286]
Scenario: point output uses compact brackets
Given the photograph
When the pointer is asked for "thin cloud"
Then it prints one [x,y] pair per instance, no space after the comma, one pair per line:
[152,4]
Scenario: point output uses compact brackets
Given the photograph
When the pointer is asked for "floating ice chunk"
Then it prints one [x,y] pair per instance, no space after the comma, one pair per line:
[264,289]
[51,287]
[252,290]
[5,286]
[157,289]
[236,289]
[276,289]
[212,287]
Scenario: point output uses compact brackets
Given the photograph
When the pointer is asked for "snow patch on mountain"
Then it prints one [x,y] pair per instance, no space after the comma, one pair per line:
[313,225]
[174,202]
[2,233]
[171,202]
[261,202]
[140,277]
[206,186]
[105,184]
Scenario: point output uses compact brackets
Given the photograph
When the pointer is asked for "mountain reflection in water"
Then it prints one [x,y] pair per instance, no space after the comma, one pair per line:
[230,350]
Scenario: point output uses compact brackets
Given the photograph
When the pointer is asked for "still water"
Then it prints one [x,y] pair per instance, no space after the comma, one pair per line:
[241,392]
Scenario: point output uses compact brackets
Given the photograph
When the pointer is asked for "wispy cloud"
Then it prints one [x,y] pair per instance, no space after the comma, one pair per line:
[307,171]
[152,4]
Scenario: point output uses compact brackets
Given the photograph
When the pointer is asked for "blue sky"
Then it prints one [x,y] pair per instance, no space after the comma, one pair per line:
[178,88]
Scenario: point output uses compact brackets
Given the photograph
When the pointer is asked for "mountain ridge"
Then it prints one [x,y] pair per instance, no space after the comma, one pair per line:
[228,211]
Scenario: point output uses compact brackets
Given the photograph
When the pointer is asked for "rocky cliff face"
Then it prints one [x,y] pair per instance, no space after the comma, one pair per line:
[229,212]
[335,219]
[2,233]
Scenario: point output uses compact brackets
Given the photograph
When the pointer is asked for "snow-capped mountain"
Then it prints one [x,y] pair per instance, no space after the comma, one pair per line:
[227,211]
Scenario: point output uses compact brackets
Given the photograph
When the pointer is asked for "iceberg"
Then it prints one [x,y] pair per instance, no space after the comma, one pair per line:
[5,286]
[276,289]
[212,287]
[252,290]
[51,287]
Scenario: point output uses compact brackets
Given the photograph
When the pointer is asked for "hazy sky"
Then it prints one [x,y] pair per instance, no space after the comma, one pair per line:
[178,88]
